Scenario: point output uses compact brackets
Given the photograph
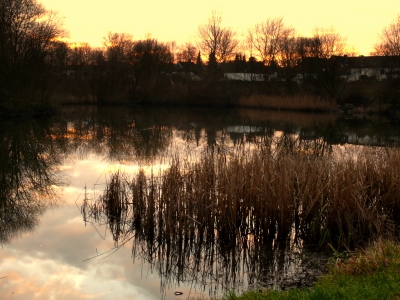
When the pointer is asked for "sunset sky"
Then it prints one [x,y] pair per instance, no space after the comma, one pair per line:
[178,20]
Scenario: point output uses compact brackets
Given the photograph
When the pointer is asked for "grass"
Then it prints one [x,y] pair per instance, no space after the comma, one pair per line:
[373,273]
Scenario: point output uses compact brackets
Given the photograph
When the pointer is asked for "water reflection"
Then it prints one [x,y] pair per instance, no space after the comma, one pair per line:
[35,153]
[194,225]
[148,134]
[114,133]
[28,174]
[185,244]
[223,255]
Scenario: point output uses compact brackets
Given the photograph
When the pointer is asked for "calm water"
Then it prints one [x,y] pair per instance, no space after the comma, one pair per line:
[48,165]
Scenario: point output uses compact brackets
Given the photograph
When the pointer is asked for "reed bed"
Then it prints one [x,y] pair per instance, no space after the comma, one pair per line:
[267,191]
[298,102]
[197,218]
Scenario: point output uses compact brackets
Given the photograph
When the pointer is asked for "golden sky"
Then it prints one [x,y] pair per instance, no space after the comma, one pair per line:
[178,20]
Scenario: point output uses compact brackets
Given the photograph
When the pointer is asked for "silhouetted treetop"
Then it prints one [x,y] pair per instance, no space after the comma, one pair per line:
[213,38]
[27,32]
[389,39]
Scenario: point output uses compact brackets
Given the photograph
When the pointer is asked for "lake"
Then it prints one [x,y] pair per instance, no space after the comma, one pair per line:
[51,250]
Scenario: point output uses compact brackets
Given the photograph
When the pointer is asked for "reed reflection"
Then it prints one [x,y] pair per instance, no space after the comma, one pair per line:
[215,223]
[29,161]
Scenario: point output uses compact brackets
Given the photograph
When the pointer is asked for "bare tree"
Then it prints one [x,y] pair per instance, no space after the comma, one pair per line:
[82,55]
[118,46]
[288,50]
[217,40]
[59,54]
[27,31]
[25,26]
[319,66]
[327,43]
[186,53]
[267,37]
[288,56]
[149,58]
[389,43]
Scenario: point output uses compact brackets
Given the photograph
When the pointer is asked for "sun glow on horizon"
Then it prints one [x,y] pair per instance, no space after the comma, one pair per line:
[177,20]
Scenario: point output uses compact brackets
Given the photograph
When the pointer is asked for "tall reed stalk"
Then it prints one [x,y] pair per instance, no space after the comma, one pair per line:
[269,191]
[198,219]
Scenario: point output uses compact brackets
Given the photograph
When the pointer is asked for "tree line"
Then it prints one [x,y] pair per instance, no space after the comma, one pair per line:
[32,52]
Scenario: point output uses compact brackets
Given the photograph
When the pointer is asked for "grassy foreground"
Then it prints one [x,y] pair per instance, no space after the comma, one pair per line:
[373,273]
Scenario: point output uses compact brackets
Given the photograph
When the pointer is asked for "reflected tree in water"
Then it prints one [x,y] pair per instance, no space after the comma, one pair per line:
[235,217]
[118,135]
[28,173]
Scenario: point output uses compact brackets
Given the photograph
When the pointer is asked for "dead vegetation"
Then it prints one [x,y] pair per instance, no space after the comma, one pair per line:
[208,220]
[294,103]
[275,189]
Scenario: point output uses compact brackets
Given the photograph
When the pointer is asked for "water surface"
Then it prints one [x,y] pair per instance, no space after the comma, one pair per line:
[49,165]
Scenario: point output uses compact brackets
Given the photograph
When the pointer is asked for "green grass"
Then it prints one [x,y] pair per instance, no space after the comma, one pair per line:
[373,273]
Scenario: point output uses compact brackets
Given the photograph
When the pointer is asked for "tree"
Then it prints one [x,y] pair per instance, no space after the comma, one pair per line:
[150,57]
[389,43]
[118,47]
[59,54]
[320,68]
[213,71]
[27,30]
[199,64]
[213,38]
[212,61]
[289,57]
[266,38]
[238,58]
[327,43]
[82,55]
[186,53]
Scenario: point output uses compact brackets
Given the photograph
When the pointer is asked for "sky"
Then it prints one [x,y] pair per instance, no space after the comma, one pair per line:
[177,20]
[52,261]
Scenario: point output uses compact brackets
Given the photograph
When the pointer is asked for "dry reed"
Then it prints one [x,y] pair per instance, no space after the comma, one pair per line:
[281,186]
[298,102]
[198,218]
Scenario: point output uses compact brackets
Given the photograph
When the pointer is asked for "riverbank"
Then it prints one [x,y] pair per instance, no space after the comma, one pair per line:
[361,98]
[372,273]
[176,90]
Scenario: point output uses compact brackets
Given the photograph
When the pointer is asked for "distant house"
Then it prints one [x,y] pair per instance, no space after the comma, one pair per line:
[244,77]
[186,68]
[379,67]
[349,68]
